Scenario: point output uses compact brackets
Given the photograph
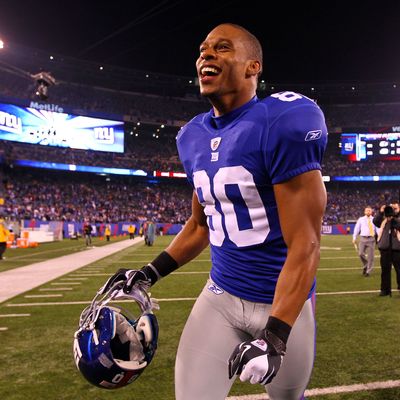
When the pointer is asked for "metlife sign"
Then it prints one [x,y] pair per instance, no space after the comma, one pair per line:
[49,126]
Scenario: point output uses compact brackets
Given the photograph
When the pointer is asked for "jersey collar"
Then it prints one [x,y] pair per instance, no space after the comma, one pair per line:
[222,121]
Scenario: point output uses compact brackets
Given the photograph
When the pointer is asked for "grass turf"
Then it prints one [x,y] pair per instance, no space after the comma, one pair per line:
[357,339]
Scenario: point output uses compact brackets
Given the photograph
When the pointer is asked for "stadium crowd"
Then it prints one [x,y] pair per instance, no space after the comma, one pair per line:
[53,196]
[168,100]
[74,197]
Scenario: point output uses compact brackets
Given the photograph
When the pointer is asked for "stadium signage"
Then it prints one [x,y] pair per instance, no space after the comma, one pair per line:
[47,107]
[10,123]
[54,128]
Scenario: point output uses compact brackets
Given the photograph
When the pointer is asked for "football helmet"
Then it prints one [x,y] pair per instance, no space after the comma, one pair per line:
[111,347]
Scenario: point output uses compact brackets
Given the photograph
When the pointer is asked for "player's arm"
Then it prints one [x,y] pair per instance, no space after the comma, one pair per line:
[188,244]
[301,204]
[193,238]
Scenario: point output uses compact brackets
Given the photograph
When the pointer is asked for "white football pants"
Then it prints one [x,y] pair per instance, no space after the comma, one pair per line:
[217,323]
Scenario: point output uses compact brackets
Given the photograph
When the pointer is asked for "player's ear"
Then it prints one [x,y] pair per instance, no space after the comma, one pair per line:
[253,68]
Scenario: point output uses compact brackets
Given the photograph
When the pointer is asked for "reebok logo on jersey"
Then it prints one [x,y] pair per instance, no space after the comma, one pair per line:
[214,156]
[215,289]
[313,135]
[215,143]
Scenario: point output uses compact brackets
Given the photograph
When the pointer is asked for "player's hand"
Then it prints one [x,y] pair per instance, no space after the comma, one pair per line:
[137,278]
[257,360]
[128,277]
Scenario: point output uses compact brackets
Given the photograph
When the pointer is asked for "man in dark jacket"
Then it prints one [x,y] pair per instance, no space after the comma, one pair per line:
[389,247]
[379,216]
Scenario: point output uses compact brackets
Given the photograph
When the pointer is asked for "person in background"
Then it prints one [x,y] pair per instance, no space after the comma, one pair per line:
[4,233]
[367,231]
[379,216]
[131,231]
[107,233]
[150,233]
[389,247]
[87,231]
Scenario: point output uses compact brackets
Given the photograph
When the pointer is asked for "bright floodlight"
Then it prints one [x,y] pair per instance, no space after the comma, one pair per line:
[1,44]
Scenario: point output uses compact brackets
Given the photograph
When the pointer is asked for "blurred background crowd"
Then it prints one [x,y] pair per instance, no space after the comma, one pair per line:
[153,108]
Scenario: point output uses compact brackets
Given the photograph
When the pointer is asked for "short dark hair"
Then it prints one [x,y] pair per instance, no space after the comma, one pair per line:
[255,48]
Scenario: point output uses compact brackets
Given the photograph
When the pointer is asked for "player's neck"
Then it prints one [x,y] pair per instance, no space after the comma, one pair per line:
[225,104]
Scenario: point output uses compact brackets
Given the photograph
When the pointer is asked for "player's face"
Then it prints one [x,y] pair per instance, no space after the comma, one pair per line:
[223,62]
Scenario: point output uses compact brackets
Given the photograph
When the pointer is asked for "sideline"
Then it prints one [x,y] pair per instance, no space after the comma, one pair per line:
[19,280]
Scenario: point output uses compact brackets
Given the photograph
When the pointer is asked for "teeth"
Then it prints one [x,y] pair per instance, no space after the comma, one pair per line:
[209,69]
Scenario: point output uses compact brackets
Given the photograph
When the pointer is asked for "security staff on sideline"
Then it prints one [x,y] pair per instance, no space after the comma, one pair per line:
[4,233]
[366,247]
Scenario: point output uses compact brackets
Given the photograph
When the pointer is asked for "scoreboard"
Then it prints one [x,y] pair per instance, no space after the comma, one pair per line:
[369,146]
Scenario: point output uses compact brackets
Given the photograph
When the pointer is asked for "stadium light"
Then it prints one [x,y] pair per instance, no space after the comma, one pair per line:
[1,44]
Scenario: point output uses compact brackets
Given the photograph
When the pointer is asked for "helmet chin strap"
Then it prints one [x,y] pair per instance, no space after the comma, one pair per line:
[138,293]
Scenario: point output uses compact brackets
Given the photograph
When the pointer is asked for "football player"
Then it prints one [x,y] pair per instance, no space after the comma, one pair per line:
[258,201]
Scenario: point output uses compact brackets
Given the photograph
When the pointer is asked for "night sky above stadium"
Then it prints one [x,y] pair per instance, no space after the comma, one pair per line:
[303,41]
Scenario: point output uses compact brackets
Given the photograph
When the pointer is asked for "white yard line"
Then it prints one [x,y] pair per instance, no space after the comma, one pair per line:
[360,387]
[73,279]
[14,315]
[64,303]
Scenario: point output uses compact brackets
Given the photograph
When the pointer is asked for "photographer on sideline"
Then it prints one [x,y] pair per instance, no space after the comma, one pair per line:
[389,247]
[378,218]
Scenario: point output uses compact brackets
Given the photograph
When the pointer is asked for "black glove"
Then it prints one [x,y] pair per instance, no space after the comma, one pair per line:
[129,277]
[257,360]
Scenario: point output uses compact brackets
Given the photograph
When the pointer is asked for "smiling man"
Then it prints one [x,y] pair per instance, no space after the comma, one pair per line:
[258,201]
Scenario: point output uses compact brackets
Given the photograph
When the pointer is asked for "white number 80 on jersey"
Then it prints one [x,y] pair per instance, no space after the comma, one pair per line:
[241,177]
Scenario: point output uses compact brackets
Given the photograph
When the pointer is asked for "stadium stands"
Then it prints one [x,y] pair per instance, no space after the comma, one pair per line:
[145,101]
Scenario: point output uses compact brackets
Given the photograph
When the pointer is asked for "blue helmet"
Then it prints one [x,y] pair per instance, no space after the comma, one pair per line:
[111,347]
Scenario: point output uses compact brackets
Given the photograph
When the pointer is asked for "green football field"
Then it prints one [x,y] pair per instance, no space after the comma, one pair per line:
[358,332]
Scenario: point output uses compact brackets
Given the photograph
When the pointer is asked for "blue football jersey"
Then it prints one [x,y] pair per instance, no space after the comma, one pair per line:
[232,162]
